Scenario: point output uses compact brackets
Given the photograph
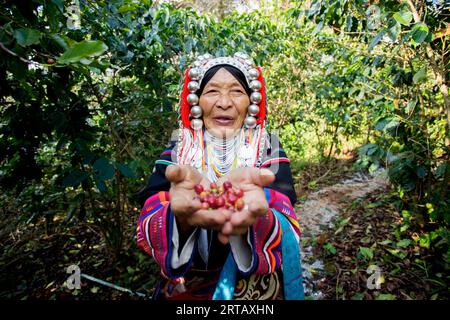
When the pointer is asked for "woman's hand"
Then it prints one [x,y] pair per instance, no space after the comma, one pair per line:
[251,181]
[185,204]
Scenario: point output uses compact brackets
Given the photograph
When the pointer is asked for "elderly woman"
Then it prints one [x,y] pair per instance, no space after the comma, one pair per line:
[220,253]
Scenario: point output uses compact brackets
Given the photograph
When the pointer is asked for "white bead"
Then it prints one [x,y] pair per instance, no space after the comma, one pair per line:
[250,122]
[192,99]
[255,85]
[196,124]
[193,86]
[253,110]
[196,111]
[255,97]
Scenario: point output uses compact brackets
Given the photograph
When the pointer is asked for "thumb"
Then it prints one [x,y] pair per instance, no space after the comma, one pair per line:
[264,177]
[175,173]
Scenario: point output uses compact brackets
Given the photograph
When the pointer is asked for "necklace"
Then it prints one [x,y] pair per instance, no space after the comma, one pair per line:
[222,154]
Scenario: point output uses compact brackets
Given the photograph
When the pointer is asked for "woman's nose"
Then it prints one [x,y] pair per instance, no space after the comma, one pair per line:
[224,101]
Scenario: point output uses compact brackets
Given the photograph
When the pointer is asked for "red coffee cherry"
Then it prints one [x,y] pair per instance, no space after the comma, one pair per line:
[231,198]
[224,196]
[205,205]
[227,185]
[198,188]
[239,204]
[220,202]
[239,193]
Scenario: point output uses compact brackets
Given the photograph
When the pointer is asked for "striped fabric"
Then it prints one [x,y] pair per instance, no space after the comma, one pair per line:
[267,233]
[153,232]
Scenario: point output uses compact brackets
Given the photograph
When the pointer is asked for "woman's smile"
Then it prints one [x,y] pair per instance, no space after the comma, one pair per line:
[223,120]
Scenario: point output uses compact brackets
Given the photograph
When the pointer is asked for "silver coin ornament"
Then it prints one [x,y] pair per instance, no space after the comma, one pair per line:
[250,122]
[194,73]
[255,85]
[193,86]
[192,99]
[253,110]
[196,111]
[254,74]
[196,124]
[255,97]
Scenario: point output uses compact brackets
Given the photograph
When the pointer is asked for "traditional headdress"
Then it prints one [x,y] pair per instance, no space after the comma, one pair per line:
[189,109]
[248,147]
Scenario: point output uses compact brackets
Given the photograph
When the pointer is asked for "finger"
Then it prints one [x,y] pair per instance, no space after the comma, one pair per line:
[258,208]
[223,238]
[175,173]
[210,218]
[185,206]
[227,228]
[242,219]
[262,177]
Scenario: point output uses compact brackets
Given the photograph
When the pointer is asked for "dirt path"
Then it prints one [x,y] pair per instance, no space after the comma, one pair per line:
[318,212]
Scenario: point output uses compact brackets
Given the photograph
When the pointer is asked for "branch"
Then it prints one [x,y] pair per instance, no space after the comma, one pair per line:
[16,55]
[412,7]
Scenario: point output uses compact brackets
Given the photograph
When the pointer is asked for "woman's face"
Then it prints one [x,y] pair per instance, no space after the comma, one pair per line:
[224,103]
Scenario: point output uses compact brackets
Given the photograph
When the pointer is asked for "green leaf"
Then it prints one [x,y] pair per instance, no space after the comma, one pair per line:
[386,296]
[60,41]
[26,37]
[376,39]
[59,4]
[419,32]
[366,252]
[421,172]
[420,75]
[100,185]
[358,296]
[374,204]
[95,290]
[442,169]
[74,179]
[403,243]
[125,170]
[82,50]
[103,169]
[403,17]
[318,27]
[394,31]
[328,246]
[411,104]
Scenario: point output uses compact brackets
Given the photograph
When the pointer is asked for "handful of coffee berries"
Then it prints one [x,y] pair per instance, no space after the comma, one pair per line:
[224,196]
